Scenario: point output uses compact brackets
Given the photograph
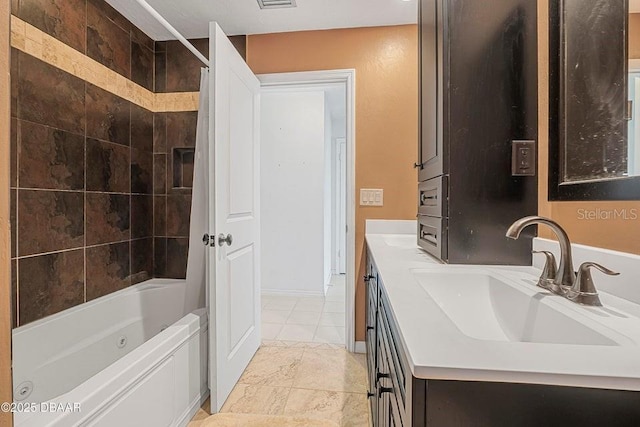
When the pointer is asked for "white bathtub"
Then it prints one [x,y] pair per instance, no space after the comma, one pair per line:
[137,357]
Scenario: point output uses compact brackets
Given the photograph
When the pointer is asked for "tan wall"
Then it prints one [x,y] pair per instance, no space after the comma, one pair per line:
[386,64]
[617,234]
[634,35]
[5,251]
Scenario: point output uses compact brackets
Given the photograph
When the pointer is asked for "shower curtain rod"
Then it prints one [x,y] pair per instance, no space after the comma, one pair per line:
[173,31]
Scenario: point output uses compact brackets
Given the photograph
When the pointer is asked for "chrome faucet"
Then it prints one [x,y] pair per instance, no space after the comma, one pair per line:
[564,282]
[584,291]
[565,276]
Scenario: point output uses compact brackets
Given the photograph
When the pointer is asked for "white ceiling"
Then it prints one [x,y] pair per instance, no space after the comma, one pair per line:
[192,17]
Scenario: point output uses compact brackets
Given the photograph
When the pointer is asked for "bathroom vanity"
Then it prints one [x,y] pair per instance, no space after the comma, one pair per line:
[483,346]
[478,343]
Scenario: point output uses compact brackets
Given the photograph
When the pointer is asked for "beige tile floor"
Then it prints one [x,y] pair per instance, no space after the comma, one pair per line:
[312,380]
[302,368]
[306,319]
[252,420]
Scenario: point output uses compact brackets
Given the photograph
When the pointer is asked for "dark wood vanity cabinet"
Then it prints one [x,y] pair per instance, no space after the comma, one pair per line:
[397,398]
[385,361]
[478,94]
[371,340]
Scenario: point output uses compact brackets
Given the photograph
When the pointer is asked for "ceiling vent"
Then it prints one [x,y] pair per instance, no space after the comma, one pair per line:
[276,4]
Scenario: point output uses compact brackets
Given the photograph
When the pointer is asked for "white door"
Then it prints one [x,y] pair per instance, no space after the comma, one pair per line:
[234,263]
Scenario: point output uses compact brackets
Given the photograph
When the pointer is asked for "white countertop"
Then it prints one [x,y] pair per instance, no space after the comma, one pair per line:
[437,349]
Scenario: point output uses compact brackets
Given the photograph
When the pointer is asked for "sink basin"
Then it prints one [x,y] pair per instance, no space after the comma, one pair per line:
[401,241]
[485,306]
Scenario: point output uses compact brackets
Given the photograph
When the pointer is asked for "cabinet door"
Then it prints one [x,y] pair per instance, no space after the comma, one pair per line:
[372,367]
[380,408]
[371,337]
[388,399]
[431,143]
[371,341]
[393,417]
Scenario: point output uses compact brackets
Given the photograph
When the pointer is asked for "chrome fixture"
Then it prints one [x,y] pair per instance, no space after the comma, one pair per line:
[565,276]
[563,281]
[222,239]
[584,290]
[549,271]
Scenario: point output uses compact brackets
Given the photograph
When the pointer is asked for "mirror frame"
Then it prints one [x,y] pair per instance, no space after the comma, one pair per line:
[627,188]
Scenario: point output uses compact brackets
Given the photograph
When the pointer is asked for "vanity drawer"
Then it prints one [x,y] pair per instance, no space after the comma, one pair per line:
[432,235]
[432,195]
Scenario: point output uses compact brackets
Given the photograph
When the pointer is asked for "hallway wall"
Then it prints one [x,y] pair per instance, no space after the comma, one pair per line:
[292,207]
[386,64]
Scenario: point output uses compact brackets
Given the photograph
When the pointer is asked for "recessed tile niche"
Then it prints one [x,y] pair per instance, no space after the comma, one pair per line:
[183,167]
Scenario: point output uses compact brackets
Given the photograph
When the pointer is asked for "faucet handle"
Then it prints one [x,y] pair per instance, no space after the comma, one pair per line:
[584,290]
[585,266]
[549,271]
[550,267]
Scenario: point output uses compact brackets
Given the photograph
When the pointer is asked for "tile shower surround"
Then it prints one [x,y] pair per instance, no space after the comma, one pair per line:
[82,186]
[93,206]
[95,29]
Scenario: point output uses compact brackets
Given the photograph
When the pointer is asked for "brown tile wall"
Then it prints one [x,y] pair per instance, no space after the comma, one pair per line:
[94,204]
[81,163]
[95,29]
[6,270]
[171,201]
[82,190]
[178,70]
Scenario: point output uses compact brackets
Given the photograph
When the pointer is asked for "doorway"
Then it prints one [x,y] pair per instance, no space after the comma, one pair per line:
[308,207]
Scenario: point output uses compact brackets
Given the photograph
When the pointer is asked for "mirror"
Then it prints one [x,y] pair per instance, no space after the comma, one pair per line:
[594,144]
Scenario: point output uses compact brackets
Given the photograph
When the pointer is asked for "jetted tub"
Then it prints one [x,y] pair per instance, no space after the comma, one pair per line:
[137,357]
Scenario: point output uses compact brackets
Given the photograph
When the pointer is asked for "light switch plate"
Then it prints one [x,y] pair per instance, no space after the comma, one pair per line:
[371,197]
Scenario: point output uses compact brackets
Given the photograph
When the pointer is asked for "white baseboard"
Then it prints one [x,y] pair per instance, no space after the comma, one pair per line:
[361,347]
[291,293]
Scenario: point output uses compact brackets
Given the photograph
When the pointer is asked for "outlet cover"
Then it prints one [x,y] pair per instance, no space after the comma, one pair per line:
[371,197]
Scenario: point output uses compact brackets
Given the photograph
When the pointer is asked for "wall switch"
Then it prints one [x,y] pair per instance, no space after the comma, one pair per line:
[371,197]
[523,158]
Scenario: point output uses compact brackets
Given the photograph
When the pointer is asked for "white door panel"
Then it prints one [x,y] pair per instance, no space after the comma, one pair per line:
[233,268]
[241,298]
[241,185]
